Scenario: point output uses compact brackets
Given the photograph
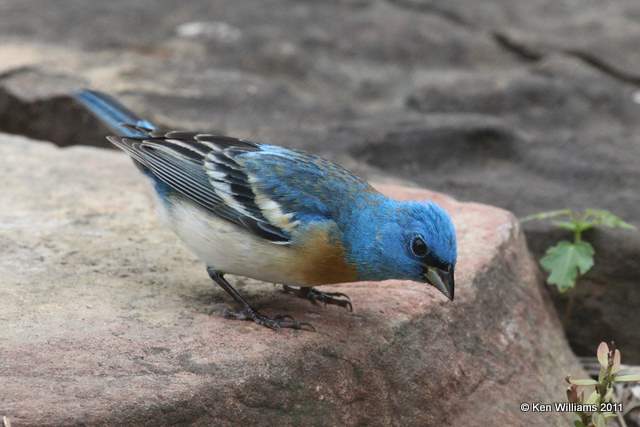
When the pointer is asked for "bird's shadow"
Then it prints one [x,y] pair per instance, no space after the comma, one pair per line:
[262,296]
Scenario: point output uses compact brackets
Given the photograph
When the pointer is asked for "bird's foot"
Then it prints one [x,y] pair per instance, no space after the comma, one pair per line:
[277,322]
[315,296]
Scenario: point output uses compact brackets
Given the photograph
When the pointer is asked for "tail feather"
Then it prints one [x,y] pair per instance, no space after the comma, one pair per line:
[117,117]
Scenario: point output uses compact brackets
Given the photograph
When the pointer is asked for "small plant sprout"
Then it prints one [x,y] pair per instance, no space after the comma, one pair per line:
[567,261]
[600,405]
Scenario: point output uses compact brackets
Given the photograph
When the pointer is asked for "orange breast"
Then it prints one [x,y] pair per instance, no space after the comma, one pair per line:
[321,260]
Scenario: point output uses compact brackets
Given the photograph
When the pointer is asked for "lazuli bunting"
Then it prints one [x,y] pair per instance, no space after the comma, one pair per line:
[280,215]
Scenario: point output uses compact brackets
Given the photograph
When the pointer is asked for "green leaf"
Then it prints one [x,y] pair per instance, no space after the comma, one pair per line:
[606,218]
[572,226]
[583,225]
[546,215]
[583,382]
[627,378]
[628,371]
[578,423]
[565,261]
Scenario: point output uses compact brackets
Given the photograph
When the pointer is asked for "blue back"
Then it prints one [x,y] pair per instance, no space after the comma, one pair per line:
[308,185]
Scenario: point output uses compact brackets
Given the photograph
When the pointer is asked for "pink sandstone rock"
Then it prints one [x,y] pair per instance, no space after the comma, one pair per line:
[105,318]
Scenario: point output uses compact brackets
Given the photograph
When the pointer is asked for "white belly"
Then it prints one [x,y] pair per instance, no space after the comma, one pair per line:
[229,248]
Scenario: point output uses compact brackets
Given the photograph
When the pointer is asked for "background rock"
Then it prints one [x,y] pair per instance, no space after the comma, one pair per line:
[107,319]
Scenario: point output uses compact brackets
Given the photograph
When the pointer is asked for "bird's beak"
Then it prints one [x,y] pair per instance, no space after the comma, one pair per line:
[441,279]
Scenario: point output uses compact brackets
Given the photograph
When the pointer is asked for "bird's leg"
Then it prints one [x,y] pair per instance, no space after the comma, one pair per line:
[249,313]
[315,296]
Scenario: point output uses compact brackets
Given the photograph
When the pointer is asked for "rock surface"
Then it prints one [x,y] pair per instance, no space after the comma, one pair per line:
[107,319]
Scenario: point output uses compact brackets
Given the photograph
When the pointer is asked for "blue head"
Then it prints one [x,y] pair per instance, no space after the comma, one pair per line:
[404,240]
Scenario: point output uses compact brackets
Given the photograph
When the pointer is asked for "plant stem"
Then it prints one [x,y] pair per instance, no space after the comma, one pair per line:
[621,420]
[576,218]
[577,236]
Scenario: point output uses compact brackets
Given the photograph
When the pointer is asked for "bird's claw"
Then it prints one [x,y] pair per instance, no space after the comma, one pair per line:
[277,322]
[315,296]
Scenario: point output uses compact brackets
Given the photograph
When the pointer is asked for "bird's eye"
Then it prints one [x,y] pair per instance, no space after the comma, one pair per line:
[419,247]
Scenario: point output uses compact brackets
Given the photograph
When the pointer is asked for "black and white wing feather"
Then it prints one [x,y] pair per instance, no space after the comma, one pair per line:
[202,167]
